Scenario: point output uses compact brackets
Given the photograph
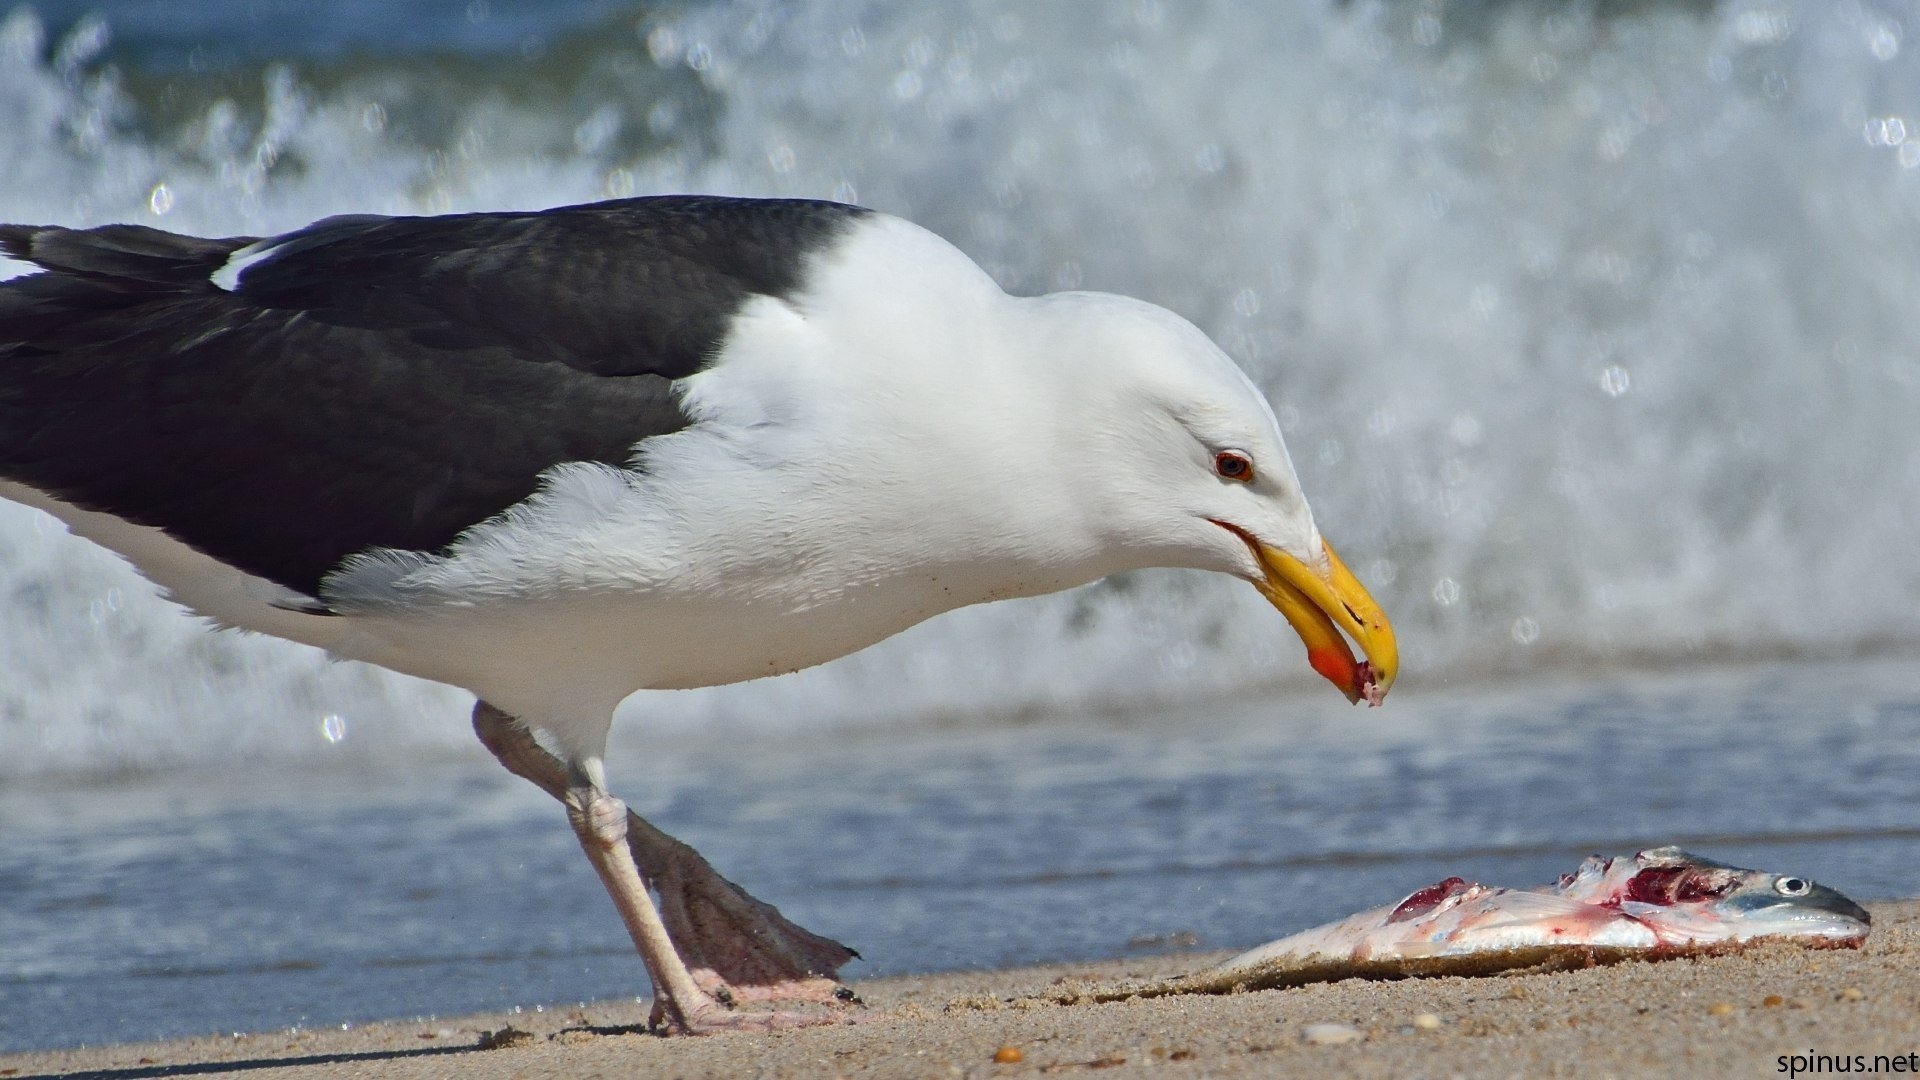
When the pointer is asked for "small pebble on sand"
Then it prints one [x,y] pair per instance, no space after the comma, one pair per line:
[1427,1022]
[1009,1055]
[1853,993]
[1720,1008]
[1330,1034]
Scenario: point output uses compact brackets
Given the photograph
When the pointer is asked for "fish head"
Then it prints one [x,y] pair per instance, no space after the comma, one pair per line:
[1758,903]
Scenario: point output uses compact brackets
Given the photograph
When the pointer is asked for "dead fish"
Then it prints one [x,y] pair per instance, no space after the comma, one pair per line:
[1661,903]
[1658,904]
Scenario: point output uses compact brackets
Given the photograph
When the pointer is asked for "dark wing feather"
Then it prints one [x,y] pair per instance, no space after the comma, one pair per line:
[370,382]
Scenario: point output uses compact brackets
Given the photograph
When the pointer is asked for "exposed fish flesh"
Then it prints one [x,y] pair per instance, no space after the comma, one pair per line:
[1661,903]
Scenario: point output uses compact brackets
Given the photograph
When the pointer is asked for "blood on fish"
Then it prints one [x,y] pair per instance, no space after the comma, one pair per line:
[1427,899]
[1667,885]
[1654,886]
[1660,903]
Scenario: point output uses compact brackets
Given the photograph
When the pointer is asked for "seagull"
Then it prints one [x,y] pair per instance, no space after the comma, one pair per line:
[560,457]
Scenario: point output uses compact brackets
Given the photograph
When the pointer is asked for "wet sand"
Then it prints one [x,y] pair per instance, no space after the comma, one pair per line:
[1727,1015]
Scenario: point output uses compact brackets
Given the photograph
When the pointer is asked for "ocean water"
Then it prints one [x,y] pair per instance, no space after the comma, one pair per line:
[240,901]
[1588,324]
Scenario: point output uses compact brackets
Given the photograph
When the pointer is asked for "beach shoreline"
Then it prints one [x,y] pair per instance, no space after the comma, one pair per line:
[1743,1014]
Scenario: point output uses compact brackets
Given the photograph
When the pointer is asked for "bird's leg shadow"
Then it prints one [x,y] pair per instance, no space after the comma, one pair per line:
[738,949]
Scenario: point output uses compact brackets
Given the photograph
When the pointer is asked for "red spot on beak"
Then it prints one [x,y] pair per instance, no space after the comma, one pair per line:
[1338,668]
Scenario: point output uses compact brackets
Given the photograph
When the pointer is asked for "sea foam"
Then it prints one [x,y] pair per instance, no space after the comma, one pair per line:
[1590,333]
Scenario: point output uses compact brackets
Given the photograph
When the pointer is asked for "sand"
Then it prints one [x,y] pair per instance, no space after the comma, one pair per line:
[1720,1016]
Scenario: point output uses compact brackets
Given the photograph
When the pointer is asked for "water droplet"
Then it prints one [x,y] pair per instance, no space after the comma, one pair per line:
[699,57]
[479,11]
[663,45]
[1525,630]
[907,85]
[160,200]
[594,133]
[1615,141]
[1615,380]
[333,727]
[1465,429]
[1446,592]
[1426,30]
[1247,303]
[1884,41]
[1885,131]
[781,159]
[374,118]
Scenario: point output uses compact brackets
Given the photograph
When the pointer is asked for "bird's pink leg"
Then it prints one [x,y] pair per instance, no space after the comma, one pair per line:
[730,947]
[600,820]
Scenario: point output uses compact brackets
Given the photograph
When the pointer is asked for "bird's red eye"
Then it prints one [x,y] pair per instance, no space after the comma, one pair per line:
[1233,465]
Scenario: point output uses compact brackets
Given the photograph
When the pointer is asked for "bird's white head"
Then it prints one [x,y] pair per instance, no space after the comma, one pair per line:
[1188,469]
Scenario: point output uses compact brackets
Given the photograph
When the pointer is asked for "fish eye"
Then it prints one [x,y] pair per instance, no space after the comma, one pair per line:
[1233,465]
[1792,886]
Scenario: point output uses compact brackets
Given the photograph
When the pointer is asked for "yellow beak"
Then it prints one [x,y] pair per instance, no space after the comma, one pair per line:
[1316,602]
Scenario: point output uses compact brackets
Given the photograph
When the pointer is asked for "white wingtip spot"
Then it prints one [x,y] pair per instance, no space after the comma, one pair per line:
[228,276]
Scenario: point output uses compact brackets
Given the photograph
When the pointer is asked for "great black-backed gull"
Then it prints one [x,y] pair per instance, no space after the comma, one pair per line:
[559,457]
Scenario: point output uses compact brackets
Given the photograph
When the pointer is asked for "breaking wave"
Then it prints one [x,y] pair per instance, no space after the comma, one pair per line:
[1589,324]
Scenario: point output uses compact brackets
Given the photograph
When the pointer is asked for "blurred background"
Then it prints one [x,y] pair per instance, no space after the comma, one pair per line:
[1590,325]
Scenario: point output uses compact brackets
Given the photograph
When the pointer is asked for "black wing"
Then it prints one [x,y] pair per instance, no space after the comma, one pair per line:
[369,382]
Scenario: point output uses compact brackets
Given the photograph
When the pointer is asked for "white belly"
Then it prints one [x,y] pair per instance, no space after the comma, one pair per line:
[564,658]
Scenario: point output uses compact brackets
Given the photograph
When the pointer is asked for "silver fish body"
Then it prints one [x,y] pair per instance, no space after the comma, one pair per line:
[1660,903]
